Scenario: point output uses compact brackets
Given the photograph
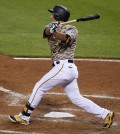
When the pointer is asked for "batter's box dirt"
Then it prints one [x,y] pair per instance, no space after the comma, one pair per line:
[96,78]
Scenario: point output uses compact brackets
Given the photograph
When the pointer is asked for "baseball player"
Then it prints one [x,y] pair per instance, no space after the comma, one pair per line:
[62,39]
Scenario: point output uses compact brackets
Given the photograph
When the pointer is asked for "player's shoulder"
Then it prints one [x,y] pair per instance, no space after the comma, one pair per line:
[71,26]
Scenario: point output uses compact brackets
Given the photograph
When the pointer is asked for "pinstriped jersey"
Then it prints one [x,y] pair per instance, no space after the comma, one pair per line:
[62,50]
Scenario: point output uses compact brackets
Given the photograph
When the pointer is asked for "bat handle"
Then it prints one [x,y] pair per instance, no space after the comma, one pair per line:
[71,21]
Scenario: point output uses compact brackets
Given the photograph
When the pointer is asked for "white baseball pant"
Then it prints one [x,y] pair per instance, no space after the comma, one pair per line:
[65,74]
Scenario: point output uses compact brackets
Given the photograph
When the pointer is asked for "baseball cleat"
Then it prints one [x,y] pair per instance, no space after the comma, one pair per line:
[108,120]
[18,119]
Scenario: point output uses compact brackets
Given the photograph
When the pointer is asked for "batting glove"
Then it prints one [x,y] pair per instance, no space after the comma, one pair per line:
[53,27]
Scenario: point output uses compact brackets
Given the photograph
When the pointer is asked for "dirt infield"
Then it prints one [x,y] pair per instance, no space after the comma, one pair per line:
[99,81]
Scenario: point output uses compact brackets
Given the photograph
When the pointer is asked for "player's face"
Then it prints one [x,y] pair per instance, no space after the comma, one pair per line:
[52,18]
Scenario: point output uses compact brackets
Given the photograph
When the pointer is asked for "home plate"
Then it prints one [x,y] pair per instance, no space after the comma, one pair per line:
[58,115]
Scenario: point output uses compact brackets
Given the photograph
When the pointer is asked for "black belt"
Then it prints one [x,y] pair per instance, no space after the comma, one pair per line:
[58,62]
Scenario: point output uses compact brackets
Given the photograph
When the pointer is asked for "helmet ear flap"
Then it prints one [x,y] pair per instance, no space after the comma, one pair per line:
[57,16]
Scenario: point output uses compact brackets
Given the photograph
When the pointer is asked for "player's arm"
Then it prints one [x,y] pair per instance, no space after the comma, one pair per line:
[52,30]
[57,35]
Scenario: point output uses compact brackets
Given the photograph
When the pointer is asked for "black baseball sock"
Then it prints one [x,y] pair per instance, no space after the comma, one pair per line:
[27,110]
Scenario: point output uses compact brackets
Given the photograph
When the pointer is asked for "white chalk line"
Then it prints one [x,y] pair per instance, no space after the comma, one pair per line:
[36,119]
[18,132]
[93,96]
[16,103]
[14,132]
[58,120]
[24,97]
[55,93]
[81,59]
[47,119]
[41,119]
[13,94]
[15,97]
[53,120]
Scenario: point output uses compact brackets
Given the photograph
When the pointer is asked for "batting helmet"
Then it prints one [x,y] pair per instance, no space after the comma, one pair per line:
[60,13]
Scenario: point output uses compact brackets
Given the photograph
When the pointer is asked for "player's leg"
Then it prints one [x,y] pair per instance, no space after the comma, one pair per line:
[53,78]
[74,95]
[48,81]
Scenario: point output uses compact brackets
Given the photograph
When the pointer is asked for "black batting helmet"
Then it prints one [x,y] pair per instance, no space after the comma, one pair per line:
[60,13]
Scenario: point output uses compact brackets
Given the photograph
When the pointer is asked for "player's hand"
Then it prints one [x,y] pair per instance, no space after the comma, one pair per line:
[53,26]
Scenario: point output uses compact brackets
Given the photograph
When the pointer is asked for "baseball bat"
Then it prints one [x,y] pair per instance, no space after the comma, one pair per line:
[87,18]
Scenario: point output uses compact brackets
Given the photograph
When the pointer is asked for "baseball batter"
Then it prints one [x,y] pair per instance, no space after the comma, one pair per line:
[62,39]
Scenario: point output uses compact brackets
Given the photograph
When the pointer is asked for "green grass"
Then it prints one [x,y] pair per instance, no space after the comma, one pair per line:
[22,23]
